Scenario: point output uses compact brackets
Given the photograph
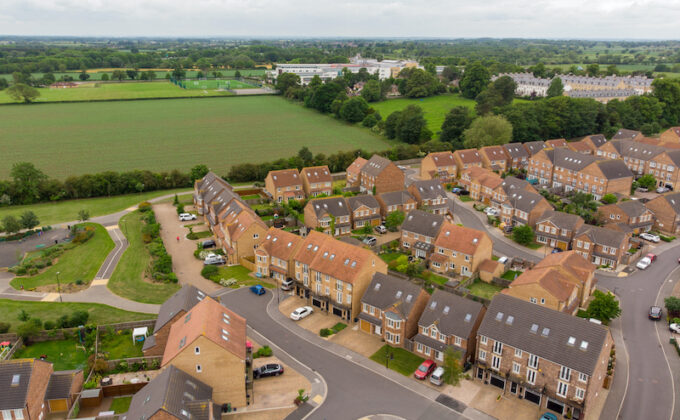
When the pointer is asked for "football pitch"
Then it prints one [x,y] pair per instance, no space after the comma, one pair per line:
[216,84]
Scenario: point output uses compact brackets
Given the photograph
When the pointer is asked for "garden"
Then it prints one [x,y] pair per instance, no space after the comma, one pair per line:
[233,276]
[399,261]
[65,354]
[119,345]
[483,289]
[397,359]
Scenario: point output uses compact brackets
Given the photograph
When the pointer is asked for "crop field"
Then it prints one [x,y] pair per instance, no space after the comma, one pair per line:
[161,135]
[96,74]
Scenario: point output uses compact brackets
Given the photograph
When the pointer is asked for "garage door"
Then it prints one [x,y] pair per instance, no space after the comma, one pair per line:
[337,311]
[365,326]
[532,396]
[57,406]
[555,406]
[316,302]
[495,381]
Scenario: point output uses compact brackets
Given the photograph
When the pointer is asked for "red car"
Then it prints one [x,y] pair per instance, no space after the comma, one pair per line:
[651,257]
[425,369]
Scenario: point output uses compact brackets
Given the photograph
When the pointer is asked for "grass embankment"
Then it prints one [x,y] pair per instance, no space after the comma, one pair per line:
[63,354]
[128,279]
[78,263]
[404,361]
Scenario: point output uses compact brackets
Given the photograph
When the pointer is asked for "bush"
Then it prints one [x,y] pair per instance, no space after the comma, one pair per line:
[265,351]
[144,206]
[4,327]
[49,325]
[325,332]
[180,208]
[79,318]
[28,329]
[209,271]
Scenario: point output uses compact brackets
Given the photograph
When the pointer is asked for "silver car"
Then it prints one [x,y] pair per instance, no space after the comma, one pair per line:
[213,259]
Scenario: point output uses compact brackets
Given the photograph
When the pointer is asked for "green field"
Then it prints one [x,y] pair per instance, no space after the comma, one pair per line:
[161,135]
[96,74]
[216,84]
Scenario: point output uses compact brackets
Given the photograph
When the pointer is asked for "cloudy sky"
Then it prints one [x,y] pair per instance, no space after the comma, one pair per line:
[627,19]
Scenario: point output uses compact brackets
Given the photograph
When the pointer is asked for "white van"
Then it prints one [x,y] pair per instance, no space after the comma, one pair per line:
[437,377]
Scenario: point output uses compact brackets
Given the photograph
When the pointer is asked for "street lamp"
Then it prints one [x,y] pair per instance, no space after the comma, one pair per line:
[59,288]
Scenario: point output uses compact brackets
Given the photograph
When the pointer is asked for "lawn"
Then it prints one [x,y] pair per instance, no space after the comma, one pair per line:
[511,275]
[483,289]
[96,74]
[119,345]
[127,135]
[388,257]
[79,263]
[51,311]
[216,84]
[66,211]
[128,278]
[240,274]
[404,361]
[64,354]
[433,278]
[120,405]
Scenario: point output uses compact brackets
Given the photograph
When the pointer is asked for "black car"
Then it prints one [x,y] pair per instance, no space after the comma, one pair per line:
[208,244]
[655,313]
[272,369]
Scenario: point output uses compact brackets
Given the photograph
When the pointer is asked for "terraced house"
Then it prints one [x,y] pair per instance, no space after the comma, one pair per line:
[523,208]
[481,183]
[317,180]
[518,157]
[24,383]
[549,358]
[209,191]
[274,255]
[284,185]
[439,165]
[508,186]
[431,196]
[632,213]
[556,144]
[636,155]
[365,211]
[419,231]
[601,246]
[379,175]
[239,231]
[460,250]
[666,209]
[557,229]
[534,147]
[494,158]
[448,321]
[333,275]
[466,159]
[330,215]
[396,201]
[353,173]
[391,307]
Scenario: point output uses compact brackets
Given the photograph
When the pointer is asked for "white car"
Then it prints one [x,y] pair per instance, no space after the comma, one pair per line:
[490,211]
[643,263]
[650,237]
[662,190]
[301,312]
[185,217]
[674,328]
[213,259]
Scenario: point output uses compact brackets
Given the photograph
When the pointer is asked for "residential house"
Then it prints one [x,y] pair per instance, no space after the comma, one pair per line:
[391,308]
[665,167]
[238,231]
[365,210]
[494,158]
[431,196]
[518,156]
[317,180]
[460,250]
[601,246]
[24,383]
[594,141]
[481,183]
[396,201]
[625,134]
[581,146]
[635,155]
[466,159]
[439,165]
[211,190]
[508,186]
[562,281]
[175,307]
[353,174]
[380,175]
[333,275]
[666,209]
[173,395]
[534,147]
[63,390]
[632,213]
[209,343]
[284,185]
[331,215]
[556,143]
[448,321]
[523,208]
[671,136]
[557,229]
[540,168]
[274,255]
[549,358]
[418,232]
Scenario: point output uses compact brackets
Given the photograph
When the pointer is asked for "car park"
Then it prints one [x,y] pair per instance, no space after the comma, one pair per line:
[208,244]
[655,313]
[301,312]
[674,328]
[271,369]
[257,289]
[437,377]
[370,240]
[425,369]
[185,217]
[643,263]
[287,284]
[213,259]
[650,237]
[381,229]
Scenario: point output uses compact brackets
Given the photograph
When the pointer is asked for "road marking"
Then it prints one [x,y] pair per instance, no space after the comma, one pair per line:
[318,399]
[112,227]
[348,356]
[118,247]
[317,380]
[99,282]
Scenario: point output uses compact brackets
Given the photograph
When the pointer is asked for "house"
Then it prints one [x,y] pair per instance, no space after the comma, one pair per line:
[672,136]
[666,209]
[380,175]
[534,147]
[209,344]
[508,186]
[284,185]
[333,275]
[665,167]
[460,250]
[625,134]
[391,308]
[594,141]
[170,311]
[208,189]
[635,155]
[173,395]
[562,281]
[494,158]
[518,156]
[448,321]
[316,180]
[523,208]
[481,183]
[549,358]
[632,213]
[396,201]
[601,246]
[365,211]
[540,168]
[274,255]
[330,215]
[24,383]
[419,231]
[581,146]
[63,389]
[353,174]
[556,143]
[431,196]
[557,229]
[466,159]
[439,165]
[238,231]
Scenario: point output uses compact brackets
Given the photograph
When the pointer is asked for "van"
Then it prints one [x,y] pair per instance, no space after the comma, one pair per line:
[437,377]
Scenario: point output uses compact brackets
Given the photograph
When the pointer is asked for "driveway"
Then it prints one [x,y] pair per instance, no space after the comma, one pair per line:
[12,252]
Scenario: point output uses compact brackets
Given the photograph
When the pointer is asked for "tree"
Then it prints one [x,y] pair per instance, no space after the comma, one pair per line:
[394,220]
[538,70]
[22,92]
[450,73]
[3,83]
[505,87]
[474,81]
[178,73]
[667,91]
[412,125]
[237,73]
[452,366]
[105,77]
[83,215]
[198,172]
[354,109]
[523,235]
[118,75]
[609,199]
[286,81]
[647,181]
[10,224]
[556,88]
[487,100]
[487,131]
[47,79]
[84,75]
[369,121]
[455,123]
[593,69]
[132,74]
[324,95]
[150,75]
[391,124]
[604,307]
[27,181]
[672,306]
[372,91]
[306,155]
[29,220]
[28,329]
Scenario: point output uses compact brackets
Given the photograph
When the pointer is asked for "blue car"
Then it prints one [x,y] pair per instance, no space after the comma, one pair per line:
[257,289]
[548,416]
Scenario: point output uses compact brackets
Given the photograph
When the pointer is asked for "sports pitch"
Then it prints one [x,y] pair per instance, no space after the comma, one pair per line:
[217,84]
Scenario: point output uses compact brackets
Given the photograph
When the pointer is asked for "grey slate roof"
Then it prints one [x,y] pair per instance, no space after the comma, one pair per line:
[375,165]
[450,313]
[673,200]
[359,200]
[614,169]
[569,159]
[560,219]
[598,139]
[183,300]
[423,223]
[534,147]
[429,189]
[175,392]
[626,134]
[675,156]
[555,346]
[386,291]
[637,150]
[632,208]
[14,397]
[60,385]
[396,198]
[513,184]
[524,200]
[337,206]
[602,236]
[515,150]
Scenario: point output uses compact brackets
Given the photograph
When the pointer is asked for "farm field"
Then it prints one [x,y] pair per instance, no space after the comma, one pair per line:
[161,135]
[96,74]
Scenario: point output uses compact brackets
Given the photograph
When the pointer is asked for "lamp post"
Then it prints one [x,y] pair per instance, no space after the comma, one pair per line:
[59,288]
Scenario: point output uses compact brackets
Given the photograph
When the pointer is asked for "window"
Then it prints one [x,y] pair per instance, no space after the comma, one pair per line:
[482,355]
[256,235]
[420,348]
[6,415]
[583,377]
[498,347]
[565,373]
[19,414]
[533,361]
[199,369]
[531,376]
[365,307]
[532,300]
[579,393]
[496,362]
[197,350]
[542,301]
[457,341]
[482,339]
[339,297]
[562,389]
[518,353]
[516,367]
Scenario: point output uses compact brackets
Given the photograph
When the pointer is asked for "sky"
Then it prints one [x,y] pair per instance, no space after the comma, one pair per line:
[566,19]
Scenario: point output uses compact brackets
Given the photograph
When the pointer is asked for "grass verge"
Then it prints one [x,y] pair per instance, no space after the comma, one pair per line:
[404,361]
[241,275]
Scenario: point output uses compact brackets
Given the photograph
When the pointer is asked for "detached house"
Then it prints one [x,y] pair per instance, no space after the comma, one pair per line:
[549,358]
[353,174]
[431,196]
[494,158]
[666,209]
[284,185]
[396,201]
[460,250]
[317,180]
[379,175]
[331,215]
[439,165]
[466,159]
[391,307]
[601,246]
[274,256]
[518,157]
[419,231]
[557,229]
[633,213]
[448,321]
[365,211]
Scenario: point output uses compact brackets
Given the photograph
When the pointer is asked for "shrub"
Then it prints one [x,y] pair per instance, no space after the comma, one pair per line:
[49,325]
[79,318]
[180,208]
[209,271]
[325,332]
[79,282]
[265,351]
[23,316]
[28,329]
[4,327]
[144,206]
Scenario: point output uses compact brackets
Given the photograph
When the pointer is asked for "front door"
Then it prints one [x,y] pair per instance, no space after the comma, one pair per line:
[513,387]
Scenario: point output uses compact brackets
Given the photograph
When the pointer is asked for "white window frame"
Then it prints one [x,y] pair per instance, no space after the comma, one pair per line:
[518,352]
[516,368]
[565,373]
[562,389]
[582,377]
[495,362]
[482,355]
[531,376]
[579,393]
[498,347]
[482,339]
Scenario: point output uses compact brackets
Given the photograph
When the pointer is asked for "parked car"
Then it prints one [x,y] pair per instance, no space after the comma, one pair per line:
[503,260]
[662,190]
[301,312]
[370,240]
[651,256]
[213,259]
[381,229]
[257,289]
[642,189]
[437,377]
[643,263]
[655,313]
[456,190]
[185,217]
[425,369]
[490,211]
[287,284]
[508,228]
[271,369]
[548,416]
[210,243]
[650,237]
[555,250]
[675,328]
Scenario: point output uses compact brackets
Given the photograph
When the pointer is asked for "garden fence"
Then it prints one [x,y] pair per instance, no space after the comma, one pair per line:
[18,344]
[132,360]
[128,325]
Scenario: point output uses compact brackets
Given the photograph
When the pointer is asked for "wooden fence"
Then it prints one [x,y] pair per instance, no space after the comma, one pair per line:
[122,389]
[128,325]
[18,344]
[132,360]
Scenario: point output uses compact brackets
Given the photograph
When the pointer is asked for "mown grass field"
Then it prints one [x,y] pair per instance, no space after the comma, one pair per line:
[216,84]
[96,74]
[160,135]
